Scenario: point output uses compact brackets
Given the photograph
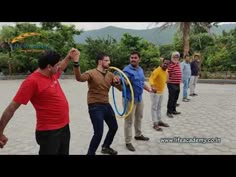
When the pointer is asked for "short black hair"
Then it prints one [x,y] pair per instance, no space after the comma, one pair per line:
[187,55]
[165,59]
[48,57]
[135,53]
[100,56]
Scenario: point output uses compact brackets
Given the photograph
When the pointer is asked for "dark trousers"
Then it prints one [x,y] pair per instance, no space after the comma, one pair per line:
[98,114]
[174,90]
[54,142]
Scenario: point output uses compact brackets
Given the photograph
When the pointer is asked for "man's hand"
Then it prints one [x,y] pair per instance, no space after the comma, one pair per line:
[154,89]
[3,140]
[116,80]
[74,54]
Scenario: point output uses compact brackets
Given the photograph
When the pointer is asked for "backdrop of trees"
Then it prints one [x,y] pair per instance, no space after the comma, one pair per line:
[218,53]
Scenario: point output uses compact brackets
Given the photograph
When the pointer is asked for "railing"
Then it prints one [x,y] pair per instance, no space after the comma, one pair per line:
[218,75]
[23,76]
[206,77]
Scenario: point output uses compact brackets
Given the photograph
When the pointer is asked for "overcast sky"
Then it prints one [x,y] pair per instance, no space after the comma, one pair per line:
[97,25]
[128,25]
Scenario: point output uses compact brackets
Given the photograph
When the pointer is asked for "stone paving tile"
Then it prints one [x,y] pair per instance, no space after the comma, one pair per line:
[209,115]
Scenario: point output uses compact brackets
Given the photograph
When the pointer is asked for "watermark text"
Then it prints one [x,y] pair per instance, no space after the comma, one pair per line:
[190,140]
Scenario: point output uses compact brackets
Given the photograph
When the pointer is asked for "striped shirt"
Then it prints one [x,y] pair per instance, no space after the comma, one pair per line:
[175,74]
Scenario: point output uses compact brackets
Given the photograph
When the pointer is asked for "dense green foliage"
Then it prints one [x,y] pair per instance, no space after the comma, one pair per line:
[217,53]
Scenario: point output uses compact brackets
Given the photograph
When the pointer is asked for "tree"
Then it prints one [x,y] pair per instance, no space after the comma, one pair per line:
[165,50]
[120,52]
[50,25]
[53,35]
[185,28]
[60,37]
[6,34]
[200,41]
[95,46]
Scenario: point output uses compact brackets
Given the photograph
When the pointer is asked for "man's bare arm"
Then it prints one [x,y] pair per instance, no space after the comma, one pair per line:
[7,115]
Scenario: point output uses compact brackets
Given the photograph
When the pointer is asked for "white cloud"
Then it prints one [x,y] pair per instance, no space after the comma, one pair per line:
[97,25]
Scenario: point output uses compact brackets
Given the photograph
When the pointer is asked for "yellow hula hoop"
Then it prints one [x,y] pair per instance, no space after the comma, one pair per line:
[131,91]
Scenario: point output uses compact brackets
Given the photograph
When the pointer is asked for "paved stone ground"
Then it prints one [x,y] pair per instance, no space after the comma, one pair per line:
[211,114]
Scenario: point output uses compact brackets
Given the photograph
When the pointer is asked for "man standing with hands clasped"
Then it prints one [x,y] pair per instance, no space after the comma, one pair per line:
[136,76]
[157,81]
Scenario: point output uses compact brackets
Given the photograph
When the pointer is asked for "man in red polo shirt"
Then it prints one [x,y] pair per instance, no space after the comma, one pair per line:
[43,90]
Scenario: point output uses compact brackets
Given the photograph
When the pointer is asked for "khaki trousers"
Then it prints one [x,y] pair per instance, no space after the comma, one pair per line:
[136,115]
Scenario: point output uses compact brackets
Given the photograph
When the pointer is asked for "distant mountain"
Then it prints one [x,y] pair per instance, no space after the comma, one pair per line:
[154,35]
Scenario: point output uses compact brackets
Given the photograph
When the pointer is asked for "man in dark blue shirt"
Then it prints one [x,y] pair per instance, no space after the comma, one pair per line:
[194,74]
[136,76]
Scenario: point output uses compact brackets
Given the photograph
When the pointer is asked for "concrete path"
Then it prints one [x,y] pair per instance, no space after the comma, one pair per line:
[211,116]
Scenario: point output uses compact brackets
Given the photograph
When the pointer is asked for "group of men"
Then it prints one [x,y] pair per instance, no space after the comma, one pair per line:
[43,90]
[172,72]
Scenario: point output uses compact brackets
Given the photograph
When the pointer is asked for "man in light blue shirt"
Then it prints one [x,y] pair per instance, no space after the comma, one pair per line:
[186,74]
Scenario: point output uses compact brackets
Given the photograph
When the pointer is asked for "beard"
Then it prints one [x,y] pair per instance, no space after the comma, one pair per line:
[106,67]
[164,68]
[134,64]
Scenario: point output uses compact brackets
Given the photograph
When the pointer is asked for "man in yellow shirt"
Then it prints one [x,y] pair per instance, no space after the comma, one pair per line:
[158,81]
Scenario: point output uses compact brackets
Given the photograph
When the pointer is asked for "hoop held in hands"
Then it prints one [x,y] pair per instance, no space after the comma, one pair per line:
[123,76]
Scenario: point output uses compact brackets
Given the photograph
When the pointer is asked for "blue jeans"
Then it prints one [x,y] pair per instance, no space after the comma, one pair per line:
[99,113]
[185,87]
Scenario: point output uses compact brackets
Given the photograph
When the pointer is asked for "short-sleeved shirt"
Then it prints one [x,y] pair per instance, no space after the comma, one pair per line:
[137,78]
[48,99]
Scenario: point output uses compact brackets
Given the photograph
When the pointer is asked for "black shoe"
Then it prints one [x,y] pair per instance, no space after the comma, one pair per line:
[163,124]
[194,94]
[169,115]
[177,104]
[157,128]
[108,150]
[176,112]
[130,147]
[191,94]
[141,137]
